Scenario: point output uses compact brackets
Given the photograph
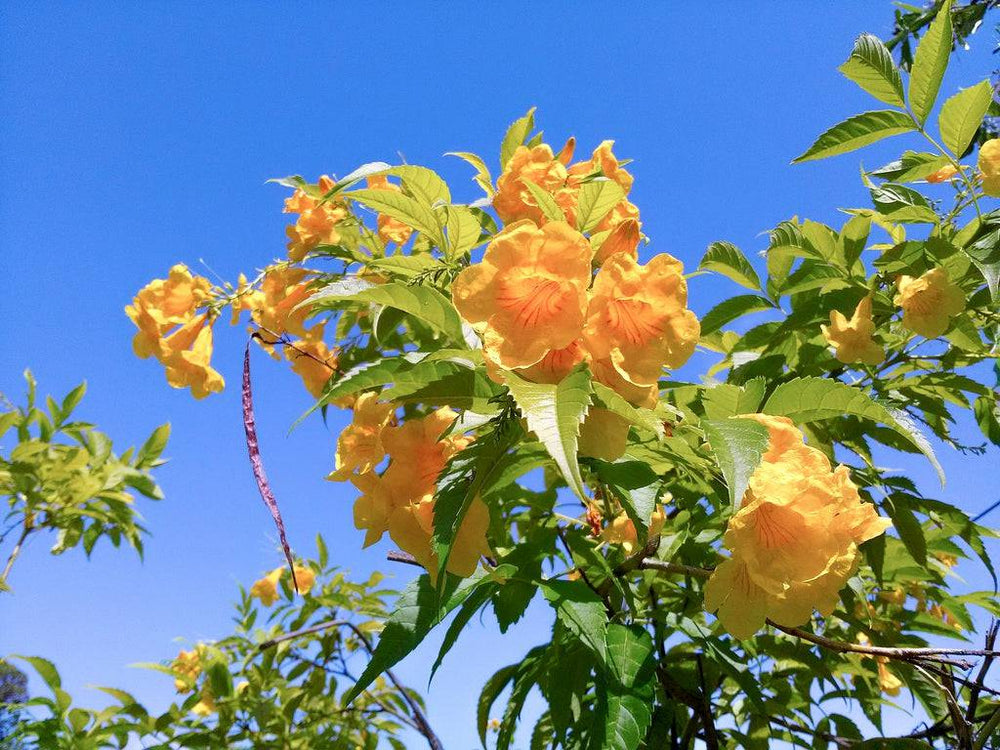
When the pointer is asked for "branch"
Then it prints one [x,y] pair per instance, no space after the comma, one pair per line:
[15,552]
[423,726]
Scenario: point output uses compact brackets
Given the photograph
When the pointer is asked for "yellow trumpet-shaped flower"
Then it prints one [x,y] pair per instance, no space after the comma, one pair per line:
[187,356]
[304,578]
[989,166]
[359,447]
[638,318]
[206,705]
[312,360]
[514,201]
[603,435]
[794,540]
[418,454]
[852,339]
[942,175]
[622,531]
[929,302]
[624,238]
[604,162]
[528,296]
[266,589]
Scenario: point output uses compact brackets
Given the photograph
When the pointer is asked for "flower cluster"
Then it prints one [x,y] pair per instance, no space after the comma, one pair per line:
[537,166]
[794,540]
[187,667]
[541,312]
[172,329]
[400,500]
[317,223]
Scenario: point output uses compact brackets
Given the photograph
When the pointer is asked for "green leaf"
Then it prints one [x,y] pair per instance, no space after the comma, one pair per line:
[483,177]
[406,266]
[729,260]
[853,237]
[516,134]
[464,230]
[417,612]
[423,183]
[610,400]
[630,688]
[909,529]
[465,476]
[913,165]
[419,301]
[581,611]
[731,309]
[469,607]
[738,444]
[809,399]
[987,411]
[488,696]
[962,115]
[902,204]
[408,209]
[595,200]
[857,131]
[154,446]
[554,413]
[46,670]
[871,67]
[929,63]
[550,209]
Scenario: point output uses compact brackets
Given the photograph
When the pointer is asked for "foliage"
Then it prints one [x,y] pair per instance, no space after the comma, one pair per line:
[715,554]
[276,681]
[62,475]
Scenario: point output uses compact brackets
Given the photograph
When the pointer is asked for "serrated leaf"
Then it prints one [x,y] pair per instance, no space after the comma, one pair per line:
[365,170]
[419,301]
[422,183]
[929,63]
[857,131]
[469,607]
[871,67]
[46,670]
[595,199]
[154,446]
[417,611]
[463,229]
[550,209]
[902,204]
[731,309]
[962,115]
[581,611]
[467,473]
[483,177]
[488,696]
[738,444]
[408,209]
[809,399]
[515,136]
[729,260]
[554,413]
[913,165]
[630,687]
[909,529]
[406,266]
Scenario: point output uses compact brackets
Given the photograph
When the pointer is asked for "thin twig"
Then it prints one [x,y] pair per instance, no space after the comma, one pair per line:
[423,726]
[15,552]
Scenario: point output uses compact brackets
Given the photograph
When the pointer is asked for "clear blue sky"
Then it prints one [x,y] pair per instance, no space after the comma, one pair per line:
[135,136]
